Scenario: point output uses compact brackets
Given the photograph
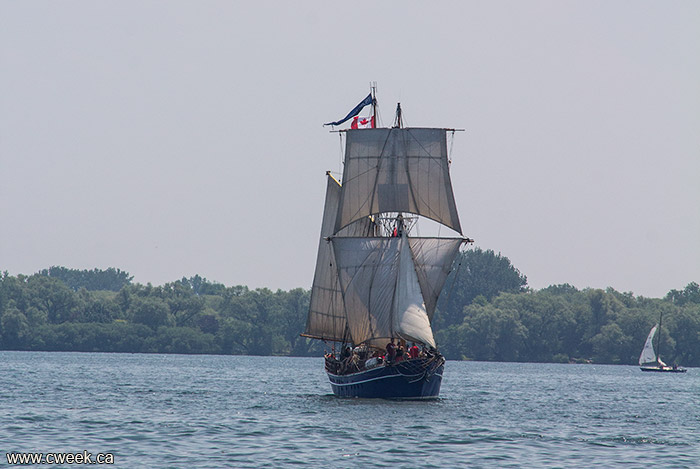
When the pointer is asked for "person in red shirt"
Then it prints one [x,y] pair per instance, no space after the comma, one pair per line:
[413,351]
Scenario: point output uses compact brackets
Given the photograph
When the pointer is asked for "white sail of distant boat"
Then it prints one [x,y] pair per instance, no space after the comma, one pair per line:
[648,356]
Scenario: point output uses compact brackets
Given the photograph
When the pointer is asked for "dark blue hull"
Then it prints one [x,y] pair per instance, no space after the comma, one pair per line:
[665,369]
[412,379]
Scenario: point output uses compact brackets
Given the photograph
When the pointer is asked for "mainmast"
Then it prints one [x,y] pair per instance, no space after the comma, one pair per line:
[658,341]
[373,92]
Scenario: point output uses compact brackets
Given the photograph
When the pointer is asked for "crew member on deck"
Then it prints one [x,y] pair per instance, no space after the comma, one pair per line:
[400,353]
[413,352]
[390,351]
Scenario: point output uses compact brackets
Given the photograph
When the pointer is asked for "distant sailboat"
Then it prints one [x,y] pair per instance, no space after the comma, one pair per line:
[650,360]
[376,285]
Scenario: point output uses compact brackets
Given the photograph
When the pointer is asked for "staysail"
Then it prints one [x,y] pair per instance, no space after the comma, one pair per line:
[433,259]
[397,170]
[410,319]
[648,355]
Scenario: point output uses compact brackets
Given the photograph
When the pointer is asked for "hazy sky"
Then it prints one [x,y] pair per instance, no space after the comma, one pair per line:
[174,138]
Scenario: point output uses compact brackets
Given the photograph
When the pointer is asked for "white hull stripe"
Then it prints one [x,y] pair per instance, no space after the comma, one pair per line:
[378,378]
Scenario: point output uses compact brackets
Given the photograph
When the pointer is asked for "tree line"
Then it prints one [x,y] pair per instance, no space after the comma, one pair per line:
[486,312]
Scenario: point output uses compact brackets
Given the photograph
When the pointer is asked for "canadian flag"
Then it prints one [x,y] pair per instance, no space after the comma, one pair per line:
[362,122]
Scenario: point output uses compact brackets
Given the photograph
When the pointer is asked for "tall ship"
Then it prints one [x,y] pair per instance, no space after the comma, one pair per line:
[376,282]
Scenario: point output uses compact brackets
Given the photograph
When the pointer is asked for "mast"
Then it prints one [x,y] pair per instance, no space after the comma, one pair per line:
[373,91]
[658,341]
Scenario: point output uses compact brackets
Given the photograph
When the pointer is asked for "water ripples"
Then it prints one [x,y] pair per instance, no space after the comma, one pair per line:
[215,411]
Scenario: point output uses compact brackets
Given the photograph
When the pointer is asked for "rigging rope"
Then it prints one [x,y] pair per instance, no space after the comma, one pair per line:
[340,154]
[454,280]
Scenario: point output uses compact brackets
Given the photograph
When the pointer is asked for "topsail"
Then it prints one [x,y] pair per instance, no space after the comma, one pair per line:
[397,170]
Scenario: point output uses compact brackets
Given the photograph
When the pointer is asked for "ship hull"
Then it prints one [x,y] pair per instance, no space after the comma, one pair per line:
[412,379]
[665,369]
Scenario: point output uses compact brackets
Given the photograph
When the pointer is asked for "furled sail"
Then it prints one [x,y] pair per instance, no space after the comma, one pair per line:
[381,290]
[397,170]
[326,318]
[648,355]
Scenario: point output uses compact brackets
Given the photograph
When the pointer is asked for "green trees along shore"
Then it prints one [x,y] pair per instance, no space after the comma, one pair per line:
[486,312]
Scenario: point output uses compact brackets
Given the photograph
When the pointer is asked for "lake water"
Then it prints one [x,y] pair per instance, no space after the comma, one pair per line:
[234,411]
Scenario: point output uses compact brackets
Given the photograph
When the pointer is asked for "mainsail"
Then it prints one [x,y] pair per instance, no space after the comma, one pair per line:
[648,355]
[382,294]
[370,286]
